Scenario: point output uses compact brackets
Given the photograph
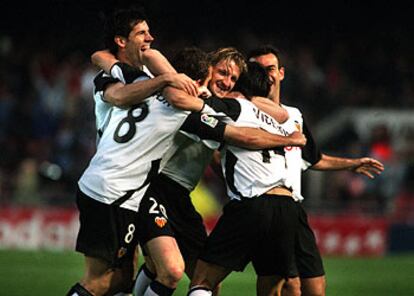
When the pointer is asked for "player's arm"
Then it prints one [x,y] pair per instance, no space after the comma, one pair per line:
[366,166]
[181,100]
[125,95]
[256,138]
[276,111]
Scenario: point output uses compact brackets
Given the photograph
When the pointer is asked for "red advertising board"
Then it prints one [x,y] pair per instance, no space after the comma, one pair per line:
[350,235]
[56,228]
[35,228]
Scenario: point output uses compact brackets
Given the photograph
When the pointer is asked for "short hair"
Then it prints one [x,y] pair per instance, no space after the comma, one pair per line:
[193,62]
[266,49]
[120,23]
[254,82]
[228,54]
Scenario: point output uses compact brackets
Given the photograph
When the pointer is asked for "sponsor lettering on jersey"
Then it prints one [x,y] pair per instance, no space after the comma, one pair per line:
[163,100]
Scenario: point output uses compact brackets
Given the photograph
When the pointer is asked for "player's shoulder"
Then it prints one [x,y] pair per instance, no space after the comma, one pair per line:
[293,111]
[126,73]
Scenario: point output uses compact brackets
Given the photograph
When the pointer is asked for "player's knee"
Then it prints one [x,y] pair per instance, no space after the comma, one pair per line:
[316,288]
[171,275]
[291,287]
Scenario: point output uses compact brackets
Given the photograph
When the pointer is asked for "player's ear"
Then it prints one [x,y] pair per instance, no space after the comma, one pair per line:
[282,73]
[120,41]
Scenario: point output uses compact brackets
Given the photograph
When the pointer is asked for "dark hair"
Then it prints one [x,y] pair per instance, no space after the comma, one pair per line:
[263,50]
[193,62]
[120,23]
[254,82]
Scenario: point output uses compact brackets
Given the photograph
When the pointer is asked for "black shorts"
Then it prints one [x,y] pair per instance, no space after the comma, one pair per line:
[308,258]
[106,231]
[184,222]
[261,230]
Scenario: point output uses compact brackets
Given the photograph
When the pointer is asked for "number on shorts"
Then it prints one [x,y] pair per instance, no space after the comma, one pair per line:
[130,234]
[153,209]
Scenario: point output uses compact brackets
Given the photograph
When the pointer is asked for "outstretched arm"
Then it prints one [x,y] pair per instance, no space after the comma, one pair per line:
[366,166]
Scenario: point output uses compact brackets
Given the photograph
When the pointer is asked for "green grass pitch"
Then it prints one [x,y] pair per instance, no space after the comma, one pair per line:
[52,273]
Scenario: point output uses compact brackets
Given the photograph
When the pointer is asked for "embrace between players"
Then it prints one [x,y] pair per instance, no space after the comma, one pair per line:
[158,127]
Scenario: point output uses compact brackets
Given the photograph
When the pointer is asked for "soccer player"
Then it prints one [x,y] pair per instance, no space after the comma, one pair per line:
[259,223]
[131,144]
[311,280]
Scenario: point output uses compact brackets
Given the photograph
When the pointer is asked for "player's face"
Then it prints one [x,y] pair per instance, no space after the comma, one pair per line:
[276,74]
[223,77]
[139,40]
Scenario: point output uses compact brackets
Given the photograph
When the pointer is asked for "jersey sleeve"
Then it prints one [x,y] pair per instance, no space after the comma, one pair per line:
[102,81]
[126,73]
[225,107]
[204,126]
[310,153]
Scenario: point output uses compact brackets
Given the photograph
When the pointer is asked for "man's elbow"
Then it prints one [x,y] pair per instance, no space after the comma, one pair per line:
[117,100]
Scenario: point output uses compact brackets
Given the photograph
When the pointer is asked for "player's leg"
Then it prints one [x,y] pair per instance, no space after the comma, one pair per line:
[315,286]
[292,286]
[167,259]
[270,285]
[308,259]
[106,237]
[228,248]
[274,257]
[158,242]
[206,278]
[146,274]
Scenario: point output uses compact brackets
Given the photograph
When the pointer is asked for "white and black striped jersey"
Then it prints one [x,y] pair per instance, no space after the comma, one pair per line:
[103,109]
[131,145]
[187,158]
[299,159]
[251,173]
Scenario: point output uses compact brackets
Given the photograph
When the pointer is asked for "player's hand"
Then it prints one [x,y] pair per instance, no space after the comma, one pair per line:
[183,82]
[298,139]
[203,92]
[369,167]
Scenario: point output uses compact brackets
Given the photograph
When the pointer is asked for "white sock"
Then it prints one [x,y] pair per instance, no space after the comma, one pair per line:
[143,280]
[199,291]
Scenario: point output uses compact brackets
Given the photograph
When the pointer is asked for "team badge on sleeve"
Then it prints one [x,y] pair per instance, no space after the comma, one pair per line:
[160,221]
[209,120]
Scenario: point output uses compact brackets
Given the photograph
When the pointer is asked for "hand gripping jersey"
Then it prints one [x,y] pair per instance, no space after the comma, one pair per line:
[131,145]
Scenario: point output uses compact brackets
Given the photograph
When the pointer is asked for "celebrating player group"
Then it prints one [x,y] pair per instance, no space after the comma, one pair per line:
[159,125]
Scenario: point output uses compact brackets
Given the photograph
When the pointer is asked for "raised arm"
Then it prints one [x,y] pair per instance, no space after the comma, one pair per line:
[366,166]
[126,95]
[104,60]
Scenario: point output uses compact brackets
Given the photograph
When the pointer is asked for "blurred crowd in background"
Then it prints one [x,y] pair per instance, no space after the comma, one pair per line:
[47,131]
